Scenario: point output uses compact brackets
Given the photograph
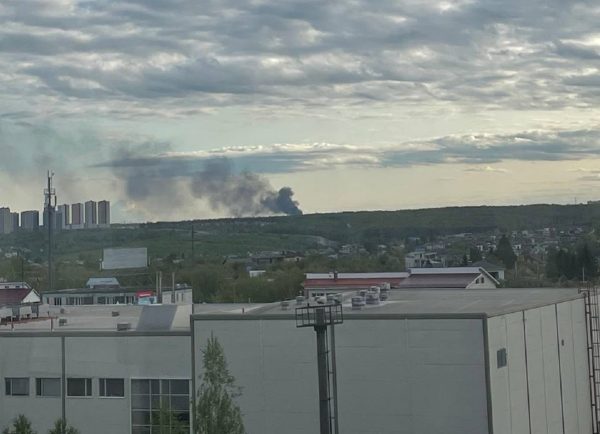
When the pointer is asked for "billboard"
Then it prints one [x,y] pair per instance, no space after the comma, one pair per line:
[122,259]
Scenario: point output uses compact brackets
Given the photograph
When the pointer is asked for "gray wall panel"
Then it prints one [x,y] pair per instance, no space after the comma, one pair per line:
[395,376]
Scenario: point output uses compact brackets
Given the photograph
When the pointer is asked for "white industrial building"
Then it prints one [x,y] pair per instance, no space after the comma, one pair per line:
[107,295]
[507,361]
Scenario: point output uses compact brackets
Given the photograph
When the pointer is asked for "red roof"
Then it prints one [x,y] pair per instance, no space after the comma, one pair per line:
[13,296]
[438,280]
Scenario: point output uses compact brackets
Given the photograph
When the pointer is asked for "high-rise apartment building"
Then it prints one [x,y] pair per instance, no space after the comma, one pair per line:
[64,211]
[15,221]
[77,216]
[58,218]
[91,214]
[104,214]
[30,220]
[5,221]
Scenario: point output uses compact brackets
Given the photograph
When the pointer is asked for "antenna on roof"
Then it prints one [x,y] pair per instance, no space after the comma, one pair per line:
[50,203]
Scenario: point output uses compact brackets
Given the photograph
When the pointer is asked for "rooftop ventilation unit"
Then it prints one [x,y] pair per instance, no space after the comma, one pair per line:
[123,326]
[357,303]
[372,298]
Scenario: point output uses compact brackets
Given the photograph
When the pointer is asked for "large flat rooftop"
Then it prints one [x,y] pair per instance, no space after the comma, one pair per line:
[436,302]
[99,318]
[401,303]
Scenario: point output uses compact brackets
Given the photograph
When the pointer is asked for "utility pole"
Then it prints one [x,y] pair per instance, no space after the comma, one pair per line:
[50,195]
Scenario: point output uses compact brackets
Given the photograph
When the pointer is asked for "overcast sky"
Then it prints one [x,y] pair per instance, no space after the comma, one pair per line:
[355,104]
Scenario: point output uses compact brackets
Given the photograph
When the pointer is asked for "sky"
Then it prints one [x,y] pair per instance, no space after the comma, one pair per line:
[180,109]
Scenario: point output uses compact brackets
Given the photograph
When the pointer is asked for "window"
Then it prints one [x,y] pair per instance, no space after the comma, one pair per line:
[148,397]
[16,386]
[111,387]
[79,387]
[47,386]
[501,358]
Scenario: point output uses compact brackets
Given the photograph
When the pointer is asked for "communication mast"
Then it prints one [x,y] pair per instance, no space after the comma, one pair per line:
[50,204]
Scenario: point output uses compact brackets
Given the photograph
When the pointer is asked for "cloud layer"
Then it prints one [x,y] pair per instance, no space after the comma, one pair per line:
[479,150]
[134,57]
[156,87]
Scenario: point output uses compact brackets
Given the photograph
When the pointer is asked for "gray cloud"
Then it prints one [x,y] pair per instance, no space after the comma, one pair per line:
[489,53]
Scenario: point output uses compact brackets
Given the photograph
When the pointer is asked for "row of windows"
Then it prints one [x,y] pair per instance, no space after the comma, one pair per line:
[51,387]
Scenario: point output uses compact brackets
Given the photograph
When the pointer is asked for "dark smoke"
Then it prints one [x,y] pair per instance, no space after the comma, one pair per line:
[242,194]
[161,182]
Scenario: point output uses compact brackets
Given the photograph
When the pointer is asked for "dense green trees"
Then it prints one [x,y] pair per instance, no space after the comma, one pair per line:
[577,264]
[505,253]
[216,411]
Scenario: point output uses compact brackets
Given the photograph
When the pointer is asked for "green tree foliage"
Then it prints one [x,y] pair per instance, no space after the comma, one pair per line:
[475,255]
[62,427]
[572,264]
[505,253]
[21,425]
[216,411]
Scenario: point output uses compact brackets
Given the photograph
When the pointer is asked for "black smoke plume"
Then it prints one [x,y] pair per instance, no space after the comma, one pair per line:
[242,194]
[162,181]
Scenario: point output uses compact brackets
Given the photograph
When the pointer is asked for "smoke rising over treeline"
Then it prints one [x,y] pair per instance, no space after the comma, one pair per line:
[167,182]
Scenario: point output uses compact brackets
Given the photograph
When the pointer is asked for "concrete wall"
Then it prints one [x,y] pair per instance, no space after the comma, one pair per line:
[544,388]
[417,376]
[30,357]
[132,356]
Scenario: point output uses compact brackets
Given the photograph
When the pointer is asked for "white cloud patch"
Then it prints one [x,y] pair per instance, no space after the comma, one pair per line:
[487,169]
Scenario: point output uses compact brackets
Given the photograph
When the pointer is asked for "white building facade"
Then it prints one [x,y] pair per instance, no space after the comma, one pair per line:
[452,362]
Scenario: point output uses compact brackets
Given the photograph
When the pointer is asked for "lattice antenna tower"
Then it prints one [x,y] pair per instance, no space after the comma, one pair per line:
[50,205]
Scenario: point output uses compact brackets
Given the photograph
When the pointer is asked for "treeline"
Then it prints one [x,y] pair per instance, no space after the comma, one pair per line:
[223,282]
[579,263]
[383,226]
